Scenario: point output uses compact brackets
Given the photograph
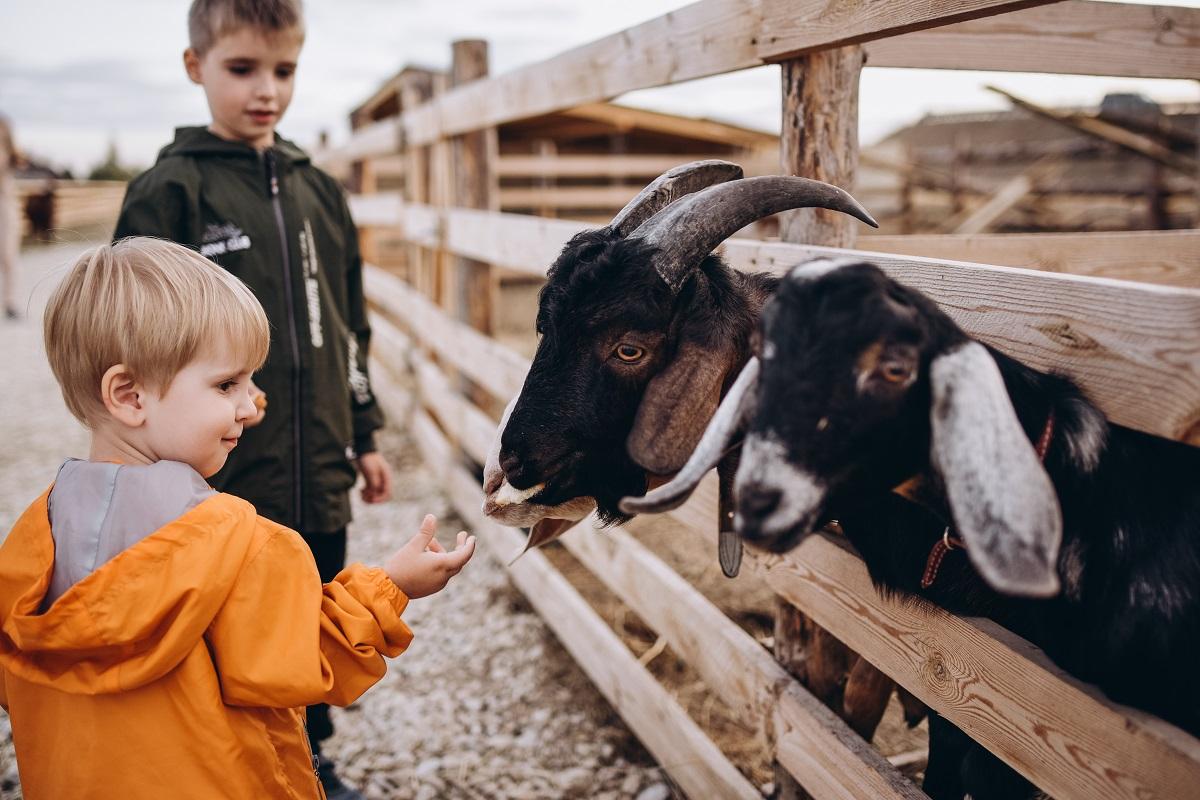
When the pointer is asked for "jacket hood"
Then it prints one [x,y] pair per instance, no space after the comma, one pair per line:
[134,618]
[200,141]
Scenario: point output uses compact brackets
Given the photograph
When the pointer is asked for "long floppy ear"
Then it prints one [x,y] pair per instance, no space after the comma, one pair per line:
[1002,500]
[721,432]
[677,406]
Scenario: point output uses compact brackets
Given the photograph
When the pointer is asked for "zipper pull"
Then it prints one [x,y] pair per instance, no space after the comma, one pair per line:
[272,176]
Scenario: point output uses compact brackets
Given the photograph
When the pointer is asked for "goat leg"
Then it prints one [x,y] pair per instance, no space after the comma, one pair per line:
[866,697]
[914,709]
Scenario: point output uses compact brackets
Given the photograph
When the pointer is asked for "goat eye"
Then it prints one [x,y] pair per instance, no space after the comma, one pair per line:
[895,371]
[629,353]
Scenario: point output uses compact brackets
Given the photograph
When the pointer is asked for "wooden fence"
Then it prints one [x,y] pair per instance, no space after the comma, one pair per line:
[1134,347]
[78,205]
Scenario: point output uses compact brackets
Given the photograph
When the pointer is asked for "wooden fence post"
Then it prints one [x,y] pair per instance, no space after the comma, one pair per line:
[415,90]
[441,191]
[475,179]
[819,140]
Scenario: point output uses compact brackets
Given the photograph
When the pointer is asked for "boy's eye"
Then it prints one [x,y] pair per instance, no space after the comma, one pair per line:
[240,69]
[227,386]
[284,72]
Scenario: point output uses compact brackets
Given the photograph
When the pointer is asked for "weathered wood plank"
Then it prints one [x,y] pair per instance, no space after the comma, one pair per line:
[714,37]
[624,166]
[793,27]
[489,364]
[1170,258]
[470,427]
[705,38]
[1134,348]
[1061,733]
[1078,37]
[683,750]
[587,197]
[811,742]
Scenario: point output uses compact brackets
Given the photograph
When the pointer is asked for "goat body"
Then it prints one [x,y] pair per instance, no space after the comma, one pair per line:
[867,385]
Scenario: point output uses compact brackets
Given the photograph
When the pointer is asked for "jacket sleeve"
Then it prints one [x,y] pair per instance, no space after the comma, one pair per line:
[154,206]
[283,640]
[368,416]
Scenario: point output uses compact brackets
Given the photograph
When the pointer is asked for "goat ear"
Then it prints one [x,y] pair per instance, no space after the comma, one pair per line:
[544,531]
[724,428]
[677,406]
[1002,500]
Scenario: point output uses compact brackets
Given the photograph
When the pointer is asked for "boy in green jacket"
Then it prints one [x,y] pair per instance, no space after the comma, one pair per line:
[253,202]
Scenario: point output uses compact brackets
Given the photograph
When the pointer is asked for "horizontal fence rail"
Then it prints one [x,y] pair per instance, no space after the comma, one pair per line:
[1132,347]
[714,37]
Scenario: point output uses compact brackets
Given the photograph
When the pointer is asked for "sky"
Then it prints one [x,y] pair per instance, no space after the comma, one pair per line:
[75,76]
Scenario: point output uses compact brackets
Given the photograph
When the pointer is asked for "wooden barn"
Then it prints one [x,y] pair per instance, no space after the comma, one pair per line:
[1127,165]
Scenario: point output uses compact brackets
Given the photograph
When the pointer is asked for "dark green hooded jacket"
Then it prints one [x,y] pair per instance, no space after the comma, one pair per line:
[282,226]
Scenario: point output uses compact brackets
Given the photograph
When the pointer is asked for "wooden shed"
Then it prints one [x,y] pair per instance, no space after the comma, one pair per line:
[1127,165]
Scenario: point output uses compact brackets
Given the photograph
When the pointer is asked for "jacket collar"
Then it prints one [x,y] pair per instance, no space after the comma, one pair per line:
[200,141]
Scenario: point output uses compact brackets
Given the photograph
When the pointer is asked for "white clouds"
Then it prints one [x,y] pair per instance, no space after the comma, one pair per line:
[72,74]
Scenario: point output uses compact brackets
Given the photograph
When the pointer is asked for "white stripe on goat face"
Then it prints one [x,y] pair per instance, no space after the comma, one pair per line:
[818,267]
[764,463]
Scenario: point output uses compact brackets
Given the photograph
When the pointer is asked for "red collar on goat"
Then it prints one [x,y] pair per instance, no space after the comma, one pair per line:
[948,542]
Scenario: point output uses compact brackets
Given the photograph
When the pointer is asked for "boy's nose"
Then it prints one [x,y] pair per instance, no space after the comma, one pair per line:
[267,89]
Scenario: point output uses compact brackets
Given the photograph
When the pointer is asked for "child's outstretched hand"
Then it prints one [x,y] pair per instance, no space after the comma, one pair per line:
[423,567]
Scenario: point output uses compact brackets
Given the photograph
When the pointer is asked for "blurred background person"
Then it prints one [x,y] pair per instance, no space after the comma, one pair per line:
[10,221]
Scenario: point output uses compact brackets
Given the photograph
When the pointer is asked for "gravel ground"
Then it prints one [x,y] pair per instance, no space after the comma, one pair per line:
[485,704]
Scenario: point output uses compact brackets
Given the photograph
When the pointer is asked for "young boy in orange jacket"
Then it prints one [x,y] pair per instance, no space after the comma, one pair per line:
[157,638]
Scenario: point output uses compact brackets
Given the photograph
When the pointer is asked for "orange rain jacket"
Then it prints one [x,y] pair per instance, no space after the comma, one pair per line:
[181,667]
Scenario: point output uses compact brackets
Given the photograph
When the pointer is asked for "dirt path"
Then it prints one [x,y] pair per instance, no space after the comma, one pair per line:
[485,704]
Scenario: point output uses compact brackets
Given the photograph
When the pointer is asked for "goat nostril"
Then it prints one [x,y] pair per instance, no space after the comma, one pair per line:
[510,463]
[759,501]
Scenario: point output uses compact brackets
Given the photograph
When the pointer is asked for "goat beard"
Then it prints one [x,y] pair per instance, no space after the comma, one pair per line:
[608,477]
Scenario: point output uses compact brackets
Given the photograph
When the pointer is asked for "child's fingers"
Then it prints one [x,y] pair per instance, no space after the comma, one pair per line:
[462,537]
[461,555]
[436,547]
[425,535]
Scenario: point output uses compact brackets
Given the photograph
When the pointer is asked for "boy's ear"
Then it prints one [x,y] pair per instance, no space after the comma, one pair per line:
[123,396]
[191,64]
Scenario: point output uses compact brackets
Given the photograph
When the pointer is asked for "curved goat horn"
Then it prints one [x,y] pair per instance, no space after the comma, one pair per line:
[669,187]
[687,231]
[720,432]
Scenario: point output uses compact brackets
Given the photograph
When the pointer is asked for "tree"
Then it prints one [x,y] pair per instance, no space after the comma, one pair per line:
[111,169]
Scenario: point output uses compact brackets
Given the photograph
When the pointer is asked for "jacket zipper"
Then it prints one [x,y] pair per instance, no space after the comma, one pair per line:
[276,202]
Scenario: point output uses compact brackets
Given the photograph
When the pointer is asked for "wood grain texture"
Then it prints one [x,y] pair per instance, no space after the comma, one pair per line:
[793,27]
[819,139]
[1134,348]
[1059,732]
[687,755]
[811,742]
[489,364]
[714,37]
[1072,38]
[1169,258]
[705,38]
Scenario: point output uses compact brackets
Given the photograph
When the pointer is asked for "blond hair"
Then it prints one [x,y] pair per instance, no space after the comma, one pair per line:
[209,20]
[151,305]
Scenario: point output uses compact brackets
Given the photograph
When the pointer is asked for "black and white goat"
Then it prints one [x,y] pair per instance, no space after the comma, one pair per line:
[1080,535]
